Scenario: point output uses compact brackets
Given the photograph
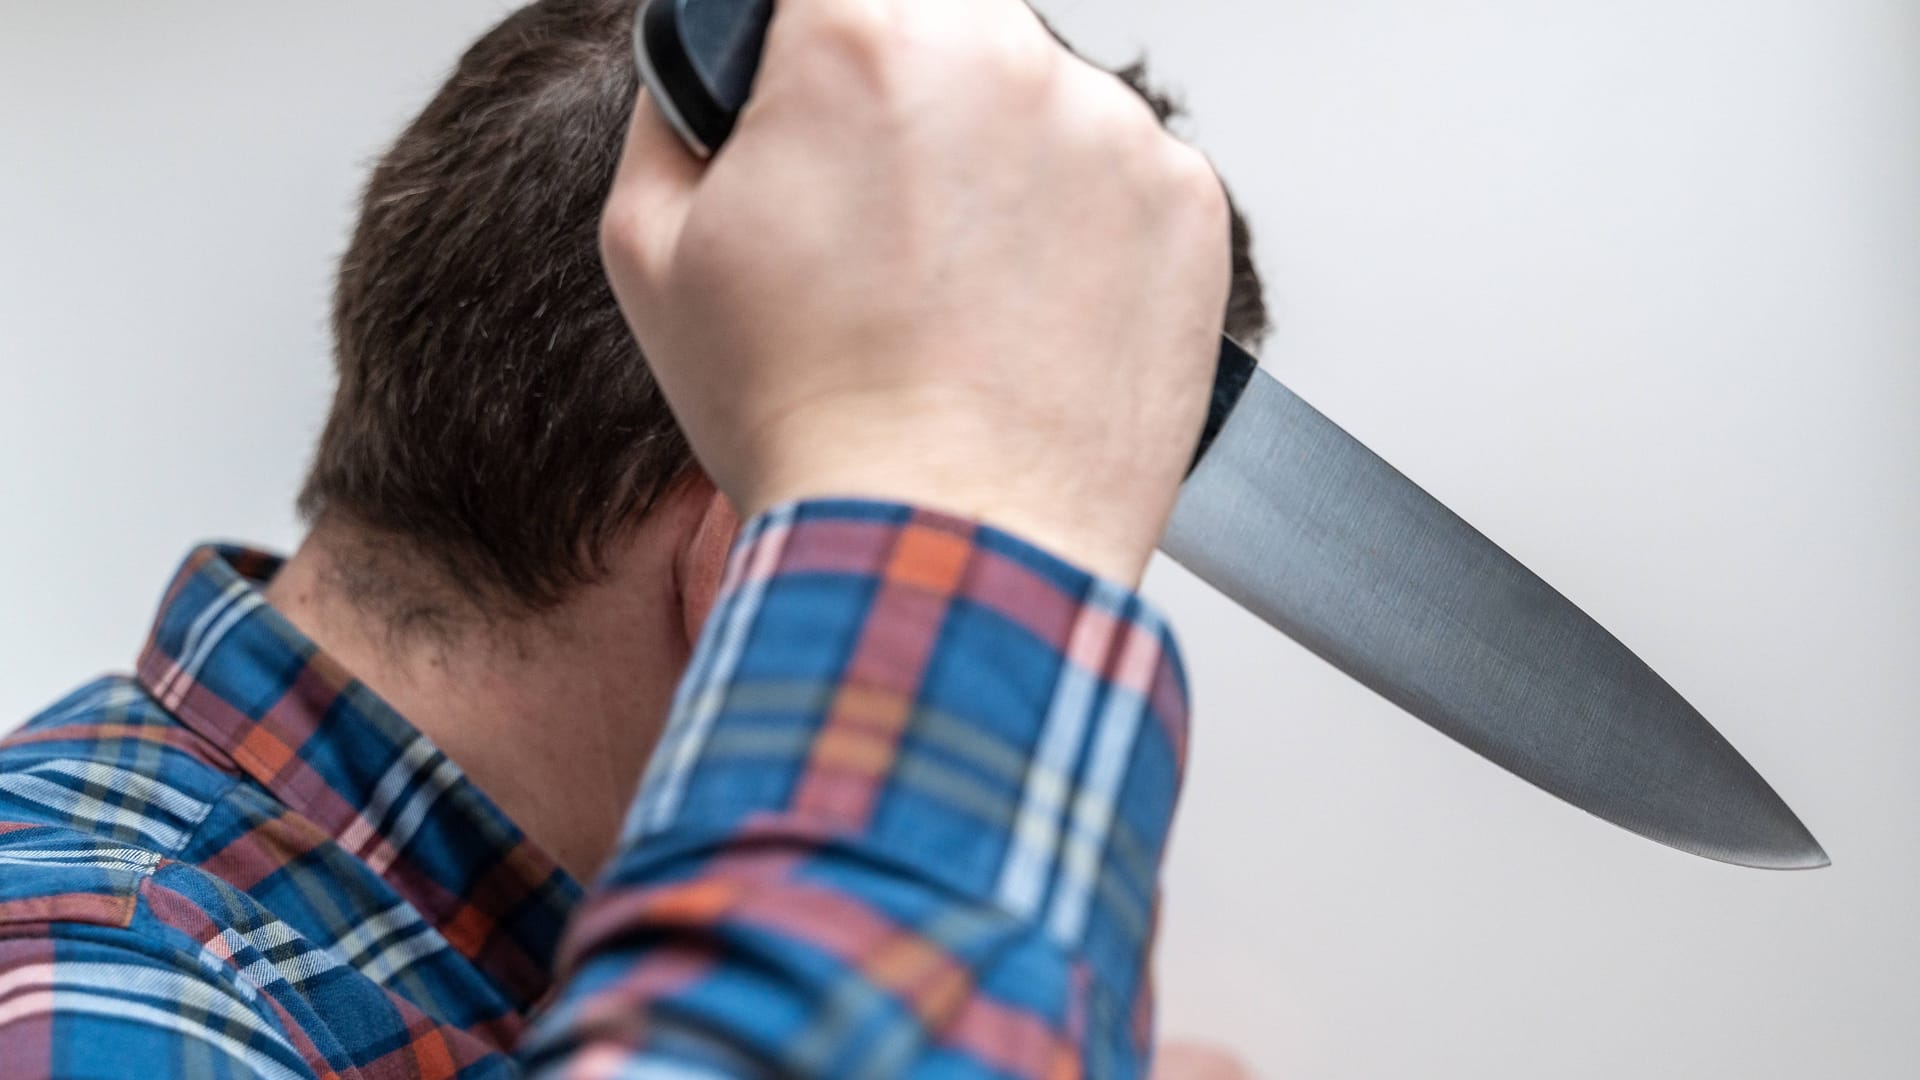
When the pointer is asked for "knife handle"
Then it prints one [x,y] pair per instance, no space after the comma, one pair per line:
[698,59]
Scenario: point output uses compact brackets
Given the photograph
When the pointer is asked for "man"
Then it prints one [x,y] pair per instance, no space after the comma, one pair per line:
[908,815]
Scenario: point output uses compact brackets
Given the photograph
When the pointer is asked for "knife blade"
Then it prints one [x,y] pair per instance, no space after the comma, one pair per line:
[1302,525]
[1305,527]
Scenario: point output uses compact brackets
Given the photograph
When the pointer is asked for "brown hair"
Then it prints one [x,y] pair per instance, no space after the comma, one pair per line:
[493,413]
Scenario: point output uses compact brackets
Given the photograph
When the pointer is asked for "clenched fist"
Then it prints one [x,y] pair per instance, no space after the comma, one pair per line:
[941,260]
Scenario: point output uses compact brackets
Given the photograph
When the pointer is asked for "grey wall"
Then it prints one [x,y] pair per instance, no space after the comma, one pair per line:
[1635,286]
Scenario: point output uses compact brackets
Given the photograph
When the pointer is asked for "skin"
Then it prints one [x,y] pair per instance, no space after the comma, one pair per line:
[553,717]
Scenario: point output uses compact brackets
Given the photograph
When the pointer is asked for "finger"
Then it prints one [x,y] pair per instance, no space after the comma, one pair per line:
[1196,1061]
[651,194]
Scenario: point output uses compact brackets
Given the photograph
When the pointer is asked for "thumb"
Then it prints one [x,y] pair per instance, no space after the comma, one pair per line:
[647,206]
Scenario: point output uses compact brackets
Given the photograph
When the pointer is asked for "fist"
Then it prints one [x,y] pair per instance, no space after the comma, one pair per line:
[941,260]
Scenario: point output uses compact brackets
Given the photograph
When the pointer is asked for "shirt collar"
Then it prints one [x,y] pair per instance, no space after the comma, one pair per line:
[291,717]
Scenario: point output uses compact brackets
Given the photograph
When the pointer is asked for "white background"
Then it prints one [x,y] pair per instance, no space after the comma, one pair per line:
[1635,286]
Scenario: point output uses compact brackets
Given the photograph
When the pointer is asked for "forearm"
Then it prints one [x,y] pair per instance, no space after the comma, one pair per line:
[908,815]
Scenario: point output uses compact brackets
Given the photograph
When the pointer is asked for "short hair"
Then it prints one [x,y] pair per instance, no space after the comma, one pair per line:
[493,413]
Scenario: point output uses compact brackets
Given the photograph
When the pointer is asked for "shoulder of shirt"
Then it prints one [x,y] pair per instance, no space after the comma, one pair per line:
[104,941]
[97,792]
[102,796]
[63,884]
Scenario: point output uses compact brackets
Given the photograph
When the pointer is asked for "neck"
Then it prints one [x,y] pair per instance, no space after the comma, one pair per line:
[552,716]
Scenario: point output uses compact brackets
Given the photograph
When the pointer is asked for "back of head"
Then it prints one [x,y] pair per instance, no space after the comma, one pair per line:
[494,416]
[493,411]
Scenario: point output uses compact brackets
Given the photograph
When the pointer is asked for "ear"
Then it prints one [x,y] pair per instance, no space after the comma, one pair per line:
[702,559]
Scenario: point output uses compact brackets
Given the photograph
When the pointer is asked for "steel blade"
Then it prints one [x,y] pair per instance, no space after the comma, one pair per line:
[1308,529]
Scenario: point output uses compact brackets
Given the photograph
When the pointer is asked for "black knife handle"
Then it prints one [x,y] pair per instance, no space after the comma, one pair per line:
[698,58]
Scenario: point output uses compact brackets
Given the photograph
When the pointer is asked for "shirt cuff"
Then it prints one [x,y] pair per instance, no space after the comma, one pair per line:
[948,698]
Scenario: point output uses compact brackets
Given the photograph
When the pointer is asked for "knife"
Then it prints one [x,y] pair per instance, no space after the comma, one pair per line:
[1302,525]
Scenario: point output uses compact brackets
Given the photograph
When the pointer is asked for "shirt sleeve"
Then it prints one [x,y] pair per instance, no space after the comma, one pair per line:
[907,819]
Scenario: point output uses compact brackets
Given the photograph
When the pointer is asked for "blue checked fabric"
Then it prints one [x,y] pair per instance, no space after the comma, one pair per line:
[906,819]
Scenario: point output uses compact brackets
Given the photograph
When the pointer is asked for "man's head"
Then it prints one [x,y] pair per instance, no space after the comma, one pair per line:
[494,416]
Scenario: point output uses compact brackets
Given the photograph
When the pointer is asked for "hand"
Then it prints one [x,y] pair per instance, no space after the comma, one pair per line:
[1197,1061]
[940,260]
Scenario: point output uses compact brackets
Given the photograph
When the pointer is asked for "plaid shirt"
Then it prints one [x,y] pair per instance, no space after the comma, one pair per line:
[906,819]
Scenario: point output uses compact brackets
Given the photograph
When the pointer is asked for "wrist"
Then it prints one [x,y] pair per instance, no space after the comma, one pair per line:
[1111,546]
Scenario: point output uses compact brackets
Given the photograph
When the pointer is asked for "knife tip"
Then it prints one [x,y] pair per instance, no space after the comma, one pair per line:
[1804,854]
[1813,860]
[1776,840]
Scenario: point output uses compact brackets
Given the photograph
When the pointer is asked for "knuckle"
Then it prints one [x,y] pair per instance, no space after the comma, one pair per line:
[853,22]
[1192,174]
[1001,55]
[619,229]
[626,255]
[1133,120]
[857,33]
[1023,52]
[1107,116]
